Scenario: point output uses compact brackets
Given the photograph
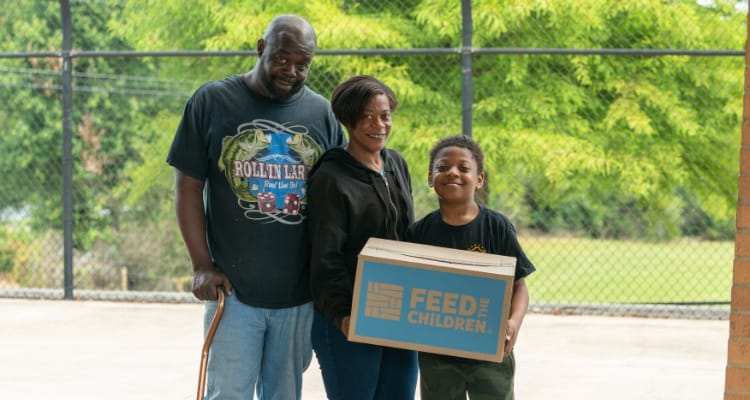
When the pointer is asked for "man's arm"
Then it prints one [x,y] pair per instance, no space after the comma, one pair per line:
[191,218]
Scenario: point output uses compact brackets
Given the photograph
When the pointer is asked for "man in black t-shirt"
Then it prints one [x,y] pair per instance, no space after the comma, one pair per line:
[241,155]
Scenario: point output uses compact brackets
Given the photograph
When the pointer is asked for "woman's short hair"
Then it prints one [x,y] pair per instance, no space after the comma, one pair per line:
[351,96]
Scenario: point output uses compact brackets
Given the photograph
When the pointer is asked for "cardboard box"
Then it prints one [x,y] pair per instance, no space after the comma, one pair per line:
[432,299]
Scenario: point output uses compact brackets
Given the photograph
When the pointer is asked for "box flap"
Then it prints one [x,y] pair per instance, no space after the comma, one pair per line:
[439,256]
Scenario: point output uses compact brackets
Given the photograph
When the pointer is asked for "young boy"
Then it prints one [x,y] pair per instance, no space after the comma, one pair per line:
[456,173]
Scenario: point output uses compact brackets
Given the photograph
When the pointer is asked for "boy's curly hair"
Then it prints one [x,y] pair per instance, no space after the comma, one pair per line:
[461,141]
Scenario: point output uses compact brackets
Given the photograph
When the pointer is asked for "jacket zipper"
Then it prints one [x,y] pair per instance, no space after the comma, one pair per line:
[390,201]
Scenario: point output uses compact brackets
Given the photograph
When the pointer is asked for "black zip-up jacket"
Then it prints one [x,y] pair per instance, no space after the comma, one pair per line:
[347,204]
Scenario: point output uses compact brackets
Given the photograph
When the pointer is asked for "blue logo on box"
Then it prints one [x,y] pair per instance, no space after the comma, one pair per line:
[431,308]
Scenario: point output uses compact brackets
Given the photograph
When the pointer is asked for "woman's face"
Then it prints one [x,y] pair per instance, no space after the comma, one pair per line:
[371,130]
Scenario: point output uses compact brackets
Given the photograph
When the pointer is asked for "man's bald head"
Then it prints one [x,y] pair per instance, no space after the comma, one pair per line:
[292,24]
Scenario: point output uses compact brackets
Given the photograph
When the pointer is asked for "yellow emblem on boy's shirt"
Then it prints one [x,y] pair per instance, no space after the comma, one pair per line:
[477,247]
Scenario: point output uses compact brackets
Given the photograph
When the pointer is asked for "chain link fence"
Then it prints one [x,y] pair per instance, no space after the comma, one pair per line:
[611,137]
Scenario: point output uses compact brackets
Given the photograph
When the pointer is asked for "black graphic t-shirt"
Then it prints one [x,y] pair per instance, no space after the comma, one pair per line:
[490,232]
[254,155]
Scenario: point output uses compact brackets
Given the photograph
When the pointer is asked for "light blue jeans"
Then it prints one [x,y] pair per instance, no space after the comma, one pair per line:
[258,349]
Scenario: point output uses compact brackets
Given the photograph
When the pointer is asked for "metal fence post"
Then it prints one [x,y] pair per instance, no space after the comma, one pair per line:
[67,159]
[467,94]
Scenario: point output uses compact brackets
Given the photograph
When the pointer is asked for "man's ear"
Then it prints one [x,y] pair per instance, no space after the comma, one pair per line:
[261,47]
[429,179]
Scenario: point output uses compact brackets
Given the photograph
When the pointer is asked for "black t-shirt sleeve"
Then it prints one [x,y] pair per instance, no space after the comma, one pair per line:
[512,248]
[188,150]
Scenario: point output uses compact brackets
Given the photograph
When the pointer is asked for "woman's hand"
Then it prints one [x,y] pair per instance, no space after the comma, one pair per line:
[344,326]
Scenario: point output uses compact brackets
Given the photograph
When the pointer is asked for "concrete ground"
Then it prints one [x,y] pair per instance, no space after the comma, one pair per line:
[56,349]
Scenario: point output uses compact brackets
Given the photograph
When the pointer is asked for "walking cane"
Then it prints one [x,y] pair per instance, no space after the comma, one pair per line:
[207,343]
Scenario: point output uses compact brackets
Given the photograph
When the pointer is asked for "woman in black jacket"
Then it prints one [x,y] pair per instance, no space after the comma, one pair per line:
[356,192]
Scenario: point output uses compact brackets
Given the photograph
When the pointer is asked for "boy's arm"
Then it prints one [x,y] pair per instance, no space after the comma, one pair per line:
[519,303]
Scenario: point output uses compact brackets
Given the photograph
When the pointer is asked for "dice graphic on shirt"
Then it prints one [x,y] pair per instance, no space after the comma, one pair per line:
[267,202]
[291,204]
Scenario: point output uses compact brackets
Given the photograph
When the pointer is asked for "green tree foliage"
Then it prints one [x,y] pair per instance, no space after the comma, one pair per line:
[605,145]
[31,162]
[105,117]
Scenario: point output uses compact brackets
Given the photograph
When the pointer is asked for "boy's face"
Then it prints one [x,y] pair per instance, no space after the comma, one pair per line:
[455,175]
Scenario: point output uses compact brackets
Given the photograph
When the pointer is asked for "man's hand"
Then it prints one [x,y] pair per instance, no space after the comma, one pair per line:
[206,282]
